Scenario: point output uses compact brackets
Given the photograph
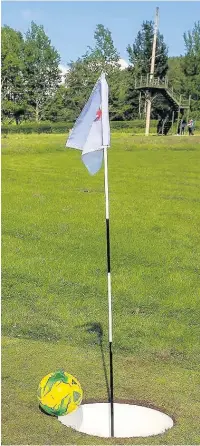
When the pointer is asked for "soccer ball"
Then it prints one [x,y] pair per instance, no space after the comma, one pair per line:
[59,393]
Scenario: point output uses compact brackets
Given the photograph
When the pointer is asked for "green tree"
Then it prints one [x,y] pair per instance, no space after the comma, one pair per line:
[58,108]
[132,96]
[176,74]
[42,74]
[140,52]
[191,66]
[118,106]
[85,71]
[80,79]
[104,53]
[12,68]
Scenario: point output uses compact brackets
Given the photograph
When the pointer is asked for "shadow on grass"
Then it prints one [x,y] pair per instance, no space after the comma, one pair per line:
[45,413]
[96,328]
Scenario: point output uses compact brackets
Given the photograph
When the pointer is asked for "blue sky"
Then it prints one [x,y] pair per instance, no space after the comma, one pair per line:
[71,25]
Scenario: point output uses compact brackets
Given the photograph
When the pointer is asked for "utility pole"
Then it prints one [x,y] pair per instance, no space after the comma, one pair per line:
[152,71]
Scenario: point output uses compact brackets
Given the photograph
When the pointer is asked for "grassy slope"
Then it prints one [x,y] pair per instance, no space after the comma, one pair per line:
[54,274]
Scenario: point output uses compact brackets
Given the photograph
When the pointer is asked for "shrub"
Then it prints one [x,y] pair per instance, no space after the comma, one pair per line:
[33,127]
[136,126]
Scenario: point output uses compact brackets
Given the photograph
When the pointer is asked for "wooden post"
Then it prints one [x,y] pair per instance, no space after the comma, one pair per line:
[179,109]
[139,111]
[172,122]
[148,115]
[188,112]
[145,105]
[163,125]
[178,119]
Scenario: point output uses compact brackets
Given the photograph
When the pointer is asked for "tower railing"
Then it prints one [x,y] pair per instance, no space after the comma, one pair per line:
[150,81]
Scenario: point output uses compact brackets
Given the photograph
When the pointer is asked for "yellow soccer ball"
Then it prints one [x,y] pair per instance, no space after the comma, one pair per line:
[59,393]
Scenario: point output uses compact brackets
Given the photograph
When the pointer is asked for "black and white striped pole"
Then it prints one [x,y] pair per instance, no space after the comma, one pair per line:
[109,292]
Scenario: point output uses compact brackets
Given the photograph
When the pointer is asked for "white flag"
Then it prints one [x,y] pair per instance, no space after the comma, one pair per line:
[91,132]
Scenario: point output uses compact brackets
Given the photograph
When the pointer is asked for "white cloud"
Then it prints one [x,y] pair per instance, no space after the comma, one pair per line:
[63,70]
[123,64]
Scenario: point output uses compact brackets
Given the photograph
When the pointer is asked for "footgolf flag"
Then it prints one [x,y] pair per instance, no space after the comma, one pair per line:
[91,135]
[91,132]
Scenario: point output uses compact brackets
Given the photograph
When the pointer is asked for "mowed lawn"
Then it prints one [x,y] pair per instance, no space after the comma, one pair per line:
[54,280]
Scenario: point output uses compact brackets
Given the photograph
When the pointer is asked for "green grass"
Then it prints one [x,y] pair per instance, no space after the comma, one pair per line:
[170,387]
[54,278]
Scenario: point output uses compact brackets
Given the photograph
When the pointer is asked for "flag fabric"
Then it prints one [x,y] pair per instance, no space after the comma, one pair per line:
[91,132]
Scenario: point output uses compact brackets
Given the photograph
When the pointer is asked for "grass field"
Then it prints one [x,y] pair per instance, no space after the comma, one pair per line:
[54,280]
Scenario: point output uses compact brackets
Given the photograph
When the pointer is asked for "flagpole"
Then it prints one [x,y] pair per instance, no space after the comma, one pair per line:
[109,291]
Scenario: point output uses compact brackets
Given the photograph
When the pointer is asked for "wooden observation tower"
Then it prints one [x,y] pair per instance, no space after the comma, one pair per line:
[153,86]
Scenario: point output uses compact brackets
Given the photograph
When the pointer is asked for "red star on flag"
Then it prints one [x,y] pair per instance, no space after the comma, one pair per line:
[98,114]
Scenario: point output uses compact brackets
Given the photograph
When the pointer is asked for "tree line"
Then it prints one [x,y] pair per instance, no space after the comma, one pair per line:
[31,78]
